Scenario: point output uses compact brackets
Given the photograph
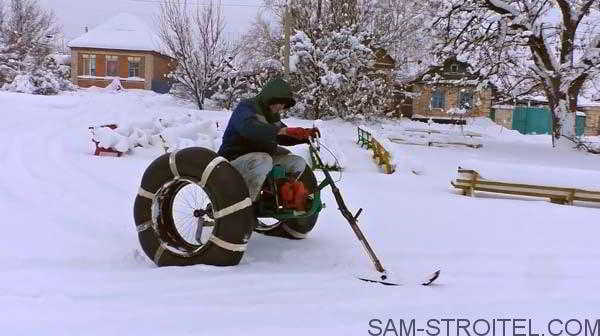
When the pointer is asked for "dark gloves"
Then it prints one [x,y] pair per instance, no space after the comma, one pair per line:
[303,133]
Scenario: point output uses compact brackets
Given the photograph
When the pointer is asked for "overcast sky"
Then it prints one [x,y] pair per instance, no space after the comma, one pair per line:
[74,15]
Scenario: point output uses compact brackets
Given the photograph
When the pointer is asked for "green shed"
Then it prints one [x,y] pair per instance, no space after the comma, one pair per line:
[537,120]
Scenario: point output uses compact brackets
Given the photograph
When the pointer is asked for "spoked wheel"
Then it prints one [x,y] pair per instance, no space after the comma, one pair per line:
[193,208]
[188,213]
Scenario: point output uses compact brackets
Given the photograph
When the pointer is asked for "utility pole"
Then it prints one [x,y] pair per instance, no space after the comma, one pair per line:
[287,29]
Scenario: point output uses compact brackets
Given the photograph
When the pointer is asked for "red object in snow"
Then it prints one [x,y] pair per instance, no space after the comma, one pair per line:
[100,151]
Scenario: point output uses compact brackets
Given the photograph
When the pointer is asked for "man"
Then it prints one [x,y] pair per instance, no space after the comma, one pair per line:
[253,135]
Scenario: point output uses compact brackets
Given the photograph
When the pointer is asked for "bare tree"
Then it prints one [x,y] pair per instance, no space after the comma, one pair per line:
[263,41]
[528,46]
[195,37]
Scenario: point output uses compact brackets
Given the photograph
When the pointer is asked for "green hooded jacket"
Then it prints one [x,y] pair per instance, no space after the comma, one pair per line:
[253,127]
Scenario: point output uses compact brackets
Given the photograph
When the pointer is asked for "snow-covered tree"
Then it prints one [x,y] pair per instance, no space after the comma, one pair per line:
[332,55]
[45,79]
[243,84]
[195,37]
[25,61]
[528,46]
[335,75]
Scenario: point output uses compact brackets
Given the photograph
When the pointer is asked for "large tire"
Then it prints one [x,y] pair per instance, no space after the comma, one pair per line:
[228,194]
[300,227]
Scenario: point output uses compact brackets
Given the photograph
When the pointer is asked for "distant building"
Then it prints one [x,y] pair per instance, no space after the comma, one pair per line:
[122,48]
[447,88]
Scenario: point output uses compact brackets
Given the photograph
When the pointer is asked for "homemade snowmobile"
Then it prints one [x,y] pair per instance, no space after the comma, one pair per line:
[193,207]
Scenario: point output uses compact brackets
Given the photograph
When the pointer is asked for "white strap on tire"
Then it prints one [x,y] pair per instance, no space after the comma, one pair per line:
[233,208]
[228,246]
[144,193]
[159,252]
[173,164]
[292,232]
[144,226]
[209,168]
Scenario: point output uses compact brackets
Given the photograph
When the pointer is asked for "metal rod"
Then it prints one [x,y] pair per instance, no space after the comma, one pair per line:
[348,215]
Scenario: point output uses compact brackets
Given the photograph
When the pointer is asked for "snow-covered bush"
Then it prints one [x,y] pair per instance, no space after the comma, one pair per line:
[26,63]
[48,79]
[168,133]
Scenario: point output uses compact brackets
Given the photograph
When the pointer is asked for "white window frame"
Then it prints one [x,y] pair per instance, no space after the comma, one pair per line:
[89,64]
[131,60]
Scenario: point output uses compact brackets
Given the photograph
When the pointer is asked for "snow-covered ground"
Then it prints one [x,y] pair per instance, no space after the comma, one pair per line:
[70,261]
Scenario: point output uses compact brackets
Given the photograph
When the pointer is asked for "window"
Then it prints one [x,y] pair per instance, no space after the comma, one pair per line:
[89,65]
[112,63]
[454,68]
[134,66]
[438,98]
[465,100]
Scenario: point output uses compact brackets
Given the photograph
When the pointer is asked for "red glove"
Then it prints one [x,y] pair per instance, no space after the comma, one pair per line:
[302,133]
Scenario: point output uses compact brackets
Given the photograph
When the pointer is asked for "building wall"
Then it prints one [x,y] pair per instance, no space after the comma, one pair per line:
[162,67]
[503,116]
[592,120]
[422,103]
[100,80]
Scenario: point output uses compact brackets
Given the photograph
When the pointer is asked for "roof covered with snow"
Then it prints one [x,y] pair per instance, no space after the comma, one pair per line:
[122,32]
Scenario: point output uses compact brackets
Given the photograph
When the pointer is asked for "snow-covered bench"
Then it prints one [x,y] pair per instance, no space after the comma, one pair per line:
[436,138]
[470,181]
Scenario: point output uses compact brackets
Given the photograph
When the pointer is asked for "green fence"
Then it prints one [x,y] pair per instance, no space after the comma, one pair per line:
[537,120]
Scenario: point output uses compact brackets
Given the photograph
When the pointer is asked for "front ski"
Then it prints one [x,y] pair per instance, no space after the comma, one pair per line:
[431,278]
[384,280]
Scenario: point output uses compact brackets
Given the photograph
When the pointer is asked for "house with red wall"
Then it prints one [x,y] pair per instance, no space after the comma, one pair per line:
[122,48]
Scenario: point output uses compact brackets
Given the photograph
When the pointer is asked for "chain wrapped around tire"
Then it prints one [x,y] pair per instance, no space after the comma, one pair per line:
[297,228]
[231,209]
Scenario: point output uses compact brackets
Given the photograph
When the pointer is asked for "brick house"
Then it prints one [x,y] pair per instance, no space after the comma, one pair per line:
[592,116]
[444,89]
[122,48]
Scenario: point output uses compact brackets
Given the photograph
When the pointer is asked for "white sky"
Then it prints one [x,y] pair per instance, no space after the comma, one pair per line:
[74,15]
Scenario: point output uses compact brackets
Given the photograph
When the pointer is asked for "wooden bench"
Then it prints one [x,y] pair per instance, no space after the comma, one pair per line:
[470,181]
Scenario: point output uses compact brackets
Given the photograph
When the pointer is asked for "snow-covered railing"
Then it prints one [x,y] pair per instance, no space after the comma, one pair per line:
[436,138]
[380,147]
[470,181]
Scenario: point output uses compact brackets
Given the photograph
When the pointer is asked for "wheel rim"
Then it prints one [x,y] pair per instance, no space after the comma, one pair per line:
[183,215]
[191,212]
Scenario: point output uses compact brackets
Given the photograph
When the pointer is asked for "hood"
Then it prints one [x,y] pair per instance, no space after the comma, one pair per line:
[276,91]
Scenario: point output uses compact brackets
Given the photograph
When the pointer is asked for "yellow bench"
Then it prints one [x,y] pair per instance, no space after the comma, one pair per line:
[470,181]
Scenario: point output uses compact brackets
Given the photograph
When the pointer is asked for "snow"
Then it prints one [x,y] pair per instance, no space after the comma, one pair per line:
[71,263]
[121,32]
